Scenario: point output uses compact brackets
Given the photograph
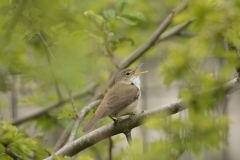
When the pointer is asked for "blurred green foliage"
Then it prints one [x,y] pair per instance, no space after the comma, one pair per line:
[17,143]
[74,42]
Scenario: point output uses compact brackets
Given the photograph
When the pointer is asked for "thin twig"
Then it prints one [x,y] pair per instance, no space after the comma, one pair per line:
[81,116]
[49,56]
[111,55]
[74,130]
[54,105]
[174,30]
[58,90]
[72,101]
[77,120]
[63,138]
[110,148]
[123,126]
[152,40]
[49,52]
[14,96]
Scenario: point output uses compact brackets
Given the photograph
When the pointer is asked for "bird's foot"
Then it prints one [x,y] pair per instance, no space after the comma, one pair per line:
[131,114]
[115,120]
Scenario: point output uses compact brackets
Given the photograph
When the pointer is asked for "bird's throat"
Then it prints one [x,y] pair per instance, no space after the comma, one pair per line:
[136,81]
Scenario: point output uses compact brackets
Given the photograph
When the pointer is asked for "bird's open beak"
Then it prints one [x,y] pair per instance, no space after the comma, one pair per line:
[139,73]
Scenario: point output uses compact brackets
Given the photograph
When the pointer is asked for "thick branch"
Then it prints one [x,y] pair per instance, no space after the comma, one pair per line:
[43,111]
[123,126]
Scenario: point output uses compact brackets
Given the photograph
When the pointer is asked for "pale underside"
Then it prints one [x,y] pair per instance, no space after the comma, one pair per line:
[130,108]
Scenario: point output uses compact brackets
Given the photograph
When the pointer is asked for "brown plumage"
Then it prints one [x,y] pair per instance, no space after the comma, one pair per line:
[119,99]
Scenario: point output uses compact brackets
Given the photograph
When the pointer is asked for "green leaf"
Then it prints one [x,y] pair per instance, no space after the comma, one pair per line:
[109,14]
[121,6]
[137,15]
[132,18]
[123,39]
[99,20]
[5,156]
[128,20]
[66,114]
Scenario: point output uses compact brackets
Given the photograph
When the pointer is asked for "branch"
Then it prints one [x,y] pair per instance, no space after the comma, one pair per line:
[80,117]
[43,111]
[110,148]
[49,52]
[62,140]
[72,101]
[152,40]
[14,99]
[109,130]
[174,30]
[124,126]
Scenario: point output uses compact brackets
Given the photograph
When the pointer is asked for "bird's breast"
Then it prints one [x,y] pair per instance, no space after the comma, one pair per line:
[130,107]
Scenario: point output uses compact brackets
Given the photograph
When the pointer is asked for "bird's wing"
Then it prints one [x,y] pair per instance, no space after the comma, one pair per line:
[120,96]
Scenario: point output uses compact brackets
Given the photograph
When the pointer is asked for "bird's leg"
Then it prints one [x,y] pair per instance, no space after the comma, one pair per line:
[115,120]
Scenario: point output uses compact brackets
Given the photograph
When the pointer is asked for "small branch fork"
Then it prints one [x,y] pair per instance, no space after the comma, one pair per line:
[79,117]
[84,111]
[77,120]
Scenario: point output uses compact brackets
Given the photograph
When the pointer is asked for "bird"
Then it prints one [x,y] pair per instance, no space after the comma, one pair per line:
[121,99]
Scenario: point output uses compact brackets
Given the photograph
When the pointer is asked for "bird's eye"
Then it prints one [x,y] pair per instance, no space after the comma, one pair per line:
[127,73]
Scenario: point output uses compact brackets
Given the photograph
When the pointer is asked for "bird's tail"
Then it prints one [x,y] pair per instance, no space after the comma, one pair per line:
[92,122]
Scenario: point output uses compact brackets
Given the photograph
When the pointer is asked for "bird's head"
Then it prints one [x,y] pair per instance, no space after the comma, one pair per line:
[128,75]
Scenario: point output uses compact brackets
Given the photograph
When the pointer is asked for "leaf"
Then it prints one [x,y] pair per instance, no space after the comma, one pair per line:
[121,6]
[123,39]
[66,114]
[5,156]
[109,14]
[132,18]
[128,20]
[137,15]
[99,20]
